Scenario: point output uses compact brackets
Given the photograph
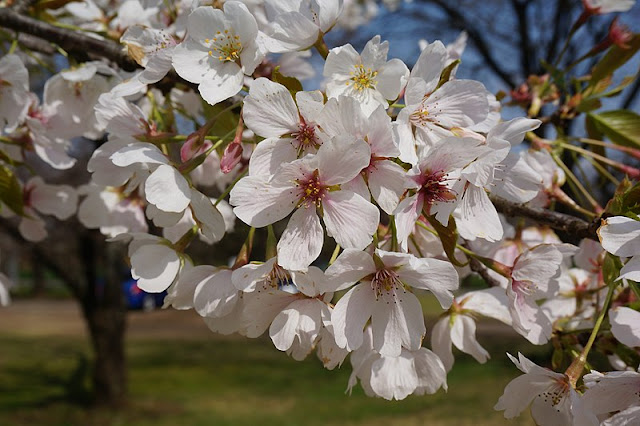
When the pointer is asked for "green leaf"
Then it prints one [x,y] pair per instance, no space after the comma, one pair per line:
[449,238]
[614,59]
[11,191]
[291,83]
[626,200]
[611,269]
[621,126]
[445,75]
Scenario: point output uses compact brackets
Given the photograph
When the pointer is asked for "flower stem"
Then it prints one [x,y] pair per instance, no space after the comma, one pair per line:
[577,366]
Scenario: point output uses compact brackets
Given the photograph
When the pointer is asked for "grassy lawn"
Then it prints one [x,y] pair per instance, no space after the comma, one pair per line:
[232,382]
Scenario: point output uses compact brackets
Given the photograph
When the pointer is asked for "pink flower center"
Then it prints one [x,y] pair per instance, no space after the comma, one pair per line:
[556,392]
[305,137]
[312,190]
[277,278]
[385,282]
[434,188]
[526,288]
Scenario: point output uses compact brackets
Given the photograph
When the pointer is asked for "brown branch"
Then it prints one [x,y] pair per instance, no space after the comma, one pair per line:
[458,20]
[571,225]
[74,43]
[476,266]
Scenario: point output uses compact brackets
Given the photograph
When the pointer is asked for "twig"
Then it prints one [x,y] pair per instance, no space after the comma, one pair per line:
[572,225]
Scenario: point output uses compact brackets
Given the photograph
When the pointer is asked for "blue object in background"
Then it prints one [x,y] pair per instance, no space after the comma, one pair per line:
[140,299]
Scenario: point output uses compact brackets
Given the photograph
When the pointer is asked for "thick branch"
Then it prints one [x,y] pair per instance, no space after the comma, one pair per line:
[75,43]
[520,10]
[571,225]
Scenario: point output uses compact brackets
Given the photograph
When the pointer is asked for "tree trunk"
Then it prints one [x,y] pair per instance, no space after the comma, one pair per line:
[105,312]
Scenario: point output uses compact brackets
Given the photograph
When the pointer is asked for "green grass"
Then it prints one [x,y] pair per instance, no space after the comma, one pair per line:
[231,382]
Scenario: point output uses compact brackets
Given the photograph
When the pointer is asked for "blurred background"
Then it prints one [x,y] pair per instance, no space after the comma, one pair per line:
[80,338]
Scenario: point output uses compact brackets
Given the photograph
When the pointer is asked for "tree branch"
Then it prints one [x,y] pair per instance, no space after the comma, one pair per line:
[75,43]
[21,6]
[481,44]
[571,225]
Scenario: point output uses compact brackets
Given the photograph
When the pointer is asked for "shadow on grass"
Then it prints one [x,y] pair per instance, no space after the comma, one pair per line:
[234,382]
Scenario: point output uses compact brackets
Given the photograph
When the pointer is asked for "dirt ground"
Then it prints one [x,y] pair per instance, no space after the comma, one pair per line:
[43,317]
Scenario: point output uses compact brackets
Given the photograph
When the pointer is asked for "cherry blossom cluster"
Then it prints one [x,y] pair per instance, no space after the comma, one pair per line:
[390,168]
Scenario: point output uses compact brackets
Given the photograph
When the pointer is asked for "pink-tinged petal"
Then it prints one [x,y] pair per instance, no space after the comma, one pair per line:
[538,266]
[261,307]
[387,183]
[516,181]
[431,372]
[215,296]
[349,268]
[625,325]
[247,277]
[520,392]
[358,186]
[478,216]
[32,228]
[463,336]
[620,236]
[492,303]
[392,78]
[342,158]
[350,315]
[221,82]
[397,322]
[527,318]
[180,295]
[155,267]
[296,328]
[258,203]
[406,215]
[394,377]
[270,154]
[441,342]
[167,189]
[428,68]
[269,109]
[459,103]
[380,135]
[301,242]
[350,219]
[437,276]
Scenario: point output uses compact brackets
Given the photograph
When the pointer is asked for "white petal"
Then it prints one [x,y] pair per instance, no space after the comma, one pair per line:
[350,315]
[441,342]
[394,377]
[387,183]
[167,189]
[155,266]
[349,268]
[215,296]
[301,242]
[620,236]
[625,325]
[350,219]
[437,276]
[269,109]
[396,323]
[269,154]
[258,203]
[342,158]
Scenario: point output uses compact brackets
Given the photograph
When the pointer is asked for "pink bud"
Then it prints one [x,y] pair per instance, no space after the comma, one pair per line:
[194,145]
[232,156]
[619,34]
